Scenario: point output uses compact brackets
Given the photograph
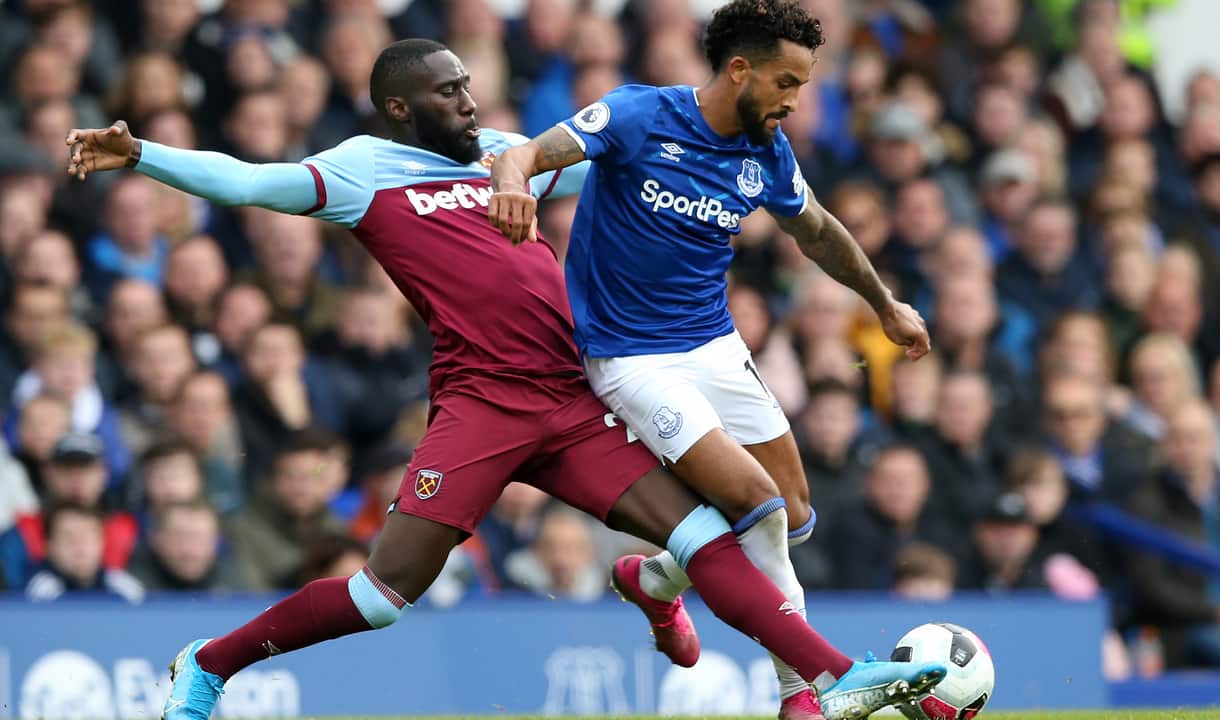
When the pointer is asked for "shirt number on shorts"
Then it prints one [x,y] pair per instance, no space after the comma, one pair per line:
[612,420]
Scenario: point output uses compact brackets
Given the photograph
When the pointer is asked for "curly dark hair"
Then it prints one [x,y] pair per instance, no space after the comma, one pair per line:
[753,28]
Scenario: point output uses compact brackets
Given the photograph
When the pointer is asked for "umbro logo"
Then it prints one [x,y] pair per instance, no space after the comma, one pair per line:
[414,167]
[787,608]
[271,649]
[672,151]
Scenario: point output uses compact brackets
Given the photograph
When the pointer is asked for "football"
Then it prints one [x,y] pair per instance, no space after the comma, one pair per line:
[969,682]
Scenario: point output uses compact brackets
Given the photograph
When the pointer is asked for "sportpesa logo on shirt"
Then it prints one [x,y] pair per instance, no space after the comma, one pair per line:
[703,208]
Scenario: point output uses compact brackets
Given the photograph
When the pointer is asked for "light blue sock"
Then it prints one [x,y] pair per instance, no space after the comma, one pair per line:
[375,600]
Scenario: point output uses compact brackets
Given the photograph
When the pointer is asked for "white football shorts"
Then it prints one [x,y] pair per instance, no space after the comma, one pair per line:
[670,400]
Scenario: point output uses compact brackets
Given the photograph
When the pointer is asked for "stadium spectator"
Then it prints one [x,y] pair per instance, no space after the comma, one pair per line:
[512,525]
[48,258]
[133,308]
[965,458]
[182,551]
[1003,555]
[151,83]
[865,537]
[1008,188]
[63,366]
[379,474]
[202,416]
[897,138]
[1175,307]
[166,24]
[1130,275]
[1102,458]
[17,495]
[168,473]
[75,473]
[195,277]
[289,249]
[44,420]
[1181,499]
[1164,376]
[243,309]
[333,555]
[971,335]
[1033,473]
[74,563]
[561,562]
[162,360]
[32,312]
[280,395]
[375,367]
[916,390]
[287,510]
[1048,272]
[305,86]
[924,572]
[130,246]
[835,451]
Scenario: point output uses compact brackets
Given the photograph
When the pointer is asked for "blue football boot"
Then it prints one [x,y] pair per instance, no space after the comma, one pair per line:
[195,691]
[871,685]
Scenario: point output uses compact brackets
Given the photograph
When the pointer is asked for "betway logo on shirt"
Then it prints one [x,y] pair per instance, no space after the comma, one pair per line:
[703,208]
[460,195]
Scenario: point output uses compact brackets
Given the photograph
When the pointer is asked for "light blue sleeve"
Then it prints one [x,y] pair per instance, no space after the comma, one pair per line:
[568,182]
[346,180]
[335,185]
[285,187]
[786,191]
[552,183]
[615,127]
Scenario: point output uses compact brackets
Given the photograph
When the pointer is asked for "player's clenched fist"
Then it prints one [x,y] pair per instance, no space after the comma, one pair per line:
[104,149]
[904,325]
[515,215]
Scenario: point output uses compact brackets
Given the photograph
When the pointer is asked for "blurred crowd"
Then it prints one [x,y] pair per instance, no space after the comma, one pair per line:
[213,399]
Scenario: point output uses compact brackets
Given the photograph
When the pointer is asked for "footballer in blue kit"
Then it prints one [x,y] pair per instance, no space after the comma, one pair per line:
[674,171]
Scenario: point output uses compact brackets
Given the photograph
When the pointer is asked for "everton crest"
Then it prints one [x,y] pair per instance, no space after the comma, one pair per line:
[750,181]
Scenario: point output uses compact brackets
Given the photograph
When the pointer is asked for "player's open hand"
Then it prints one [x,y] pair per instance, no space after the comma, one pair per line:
[515,214]
[903,325]
[100,149]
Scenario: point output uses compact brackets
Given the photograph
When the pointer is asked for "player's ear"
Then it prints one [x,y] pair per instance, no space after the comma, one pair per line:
[738,69]
[396,109]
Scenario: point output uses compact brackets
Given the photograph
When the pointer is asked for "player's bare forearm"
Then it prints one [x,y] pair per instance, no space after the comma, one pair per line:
[552,150]
[824,240]
[513,209]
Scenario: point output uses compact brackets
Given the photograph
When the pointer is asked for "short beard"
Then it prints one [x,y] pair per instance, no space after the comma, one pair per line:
[458,148]
[753,122]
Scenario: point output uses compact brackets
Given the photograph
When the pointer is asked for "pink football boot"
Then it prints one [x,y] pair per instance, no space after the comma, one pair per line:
[801,706]
[671,626]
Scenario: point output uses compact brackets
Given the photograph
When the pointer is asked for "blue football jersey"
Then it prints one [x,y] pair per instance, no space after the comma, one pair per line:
[650,245]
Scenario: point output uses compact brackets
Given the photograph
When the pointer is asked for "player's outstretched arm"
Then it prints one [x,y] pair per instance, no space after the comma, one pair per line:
[286,187]
[513,210]
[824,240]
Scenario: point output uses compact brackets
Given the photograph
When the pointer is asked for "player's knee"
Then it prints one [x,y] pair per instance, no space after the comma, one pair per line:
[378,603]
[801,520]
[756,490]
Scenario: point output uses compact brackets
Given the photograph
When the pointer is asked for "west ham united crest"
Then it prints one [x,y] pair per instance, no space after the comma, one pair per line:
[488,159]
[427,483]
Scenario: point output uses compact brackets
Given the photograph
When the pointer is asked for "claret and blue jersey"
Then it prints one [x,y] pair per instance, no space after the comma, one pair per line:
[650,244]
